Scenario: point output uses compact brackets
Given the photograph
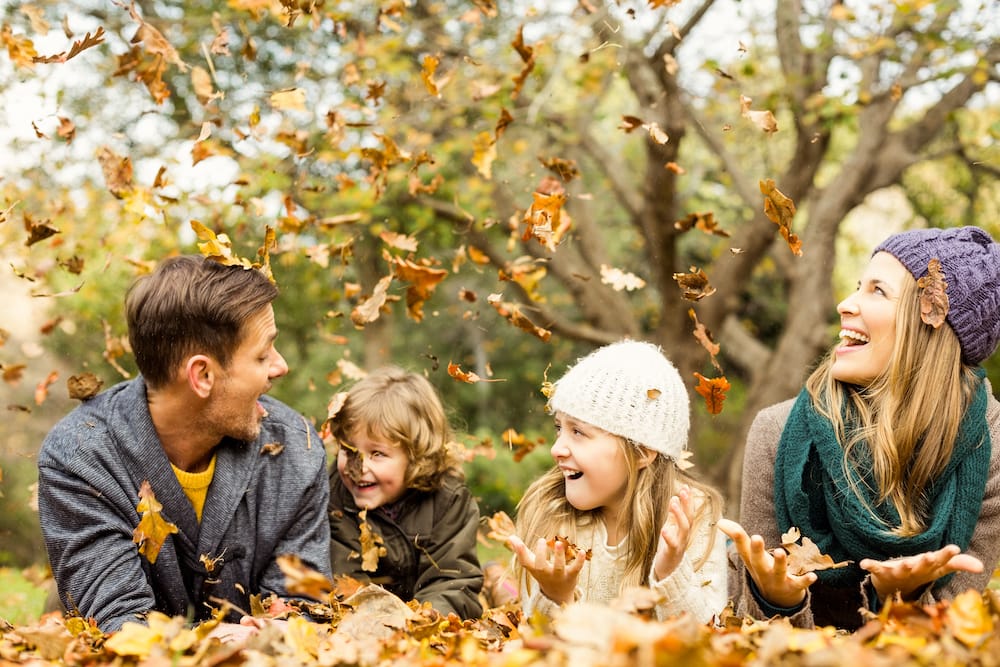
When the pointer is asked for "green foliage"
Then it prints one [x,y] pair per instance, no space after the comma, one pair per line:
[498,483]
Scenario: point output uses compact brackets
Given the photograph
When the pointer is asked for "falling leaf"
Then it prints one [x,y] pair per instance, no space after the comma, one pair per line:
[38,230]
[455,371]
[519,444]
[369,310]
[484,152]
[694,285]
[372,546]
[806,557]
[563,168]
[713,391]
[705,222]
[527,54]
[153,530]
[117,171]
[780,210]
[620,280]
[545,219]
[42,390]
[512,312]
[763,119]
[20,49]
[289,99]
[933,297]
[83,387]
[78,47]
[300,579]
[704,337]
[423,281]
[430,64]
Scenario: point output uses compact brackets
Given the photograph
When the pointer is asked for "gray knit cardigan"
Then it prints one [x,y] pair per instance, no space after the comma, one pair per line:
[262,503]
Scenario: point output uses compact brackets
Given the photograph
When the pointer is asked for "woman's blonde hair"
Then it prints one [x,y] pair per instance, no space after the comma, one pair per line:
[909,415]
[544,511]
[404,409]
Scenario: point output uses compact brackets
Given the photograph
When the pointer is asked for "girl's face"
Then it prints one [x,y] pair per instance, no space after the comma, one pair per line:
[868,322]
[373,471]
[593,465]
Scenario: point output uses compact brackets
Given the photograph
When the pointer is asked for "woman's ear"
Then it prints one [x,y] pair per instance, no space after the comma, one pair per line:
[200,375]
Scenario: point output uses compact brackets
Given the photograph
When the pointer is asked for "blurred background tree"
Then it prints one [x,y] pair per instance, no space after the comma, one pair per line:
[401,141]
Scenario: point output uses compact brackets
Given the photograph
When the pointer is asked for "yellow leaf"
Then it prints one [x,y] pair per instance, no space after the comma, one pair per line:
[289,99]
[153,530]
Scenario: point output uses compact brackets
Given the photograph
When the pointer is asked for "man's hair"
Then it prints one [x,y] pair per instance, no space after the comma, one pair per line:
[191,305]
[403,409]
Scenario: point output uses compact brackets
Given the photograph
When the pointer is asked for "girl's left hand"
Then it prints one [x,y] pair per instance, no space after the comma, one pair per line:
[674,534]
[908,574]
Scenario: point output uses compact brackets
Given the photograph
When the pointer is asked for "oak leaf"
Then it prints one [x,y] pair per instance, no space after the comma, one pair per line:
[694,284]
[78,47]
[933,295]
[806,557]
[153,530]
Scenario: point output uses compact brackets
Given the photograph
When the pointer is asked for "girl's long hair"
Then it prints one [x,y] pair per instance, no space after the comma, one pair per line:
[909,415]
[544,512]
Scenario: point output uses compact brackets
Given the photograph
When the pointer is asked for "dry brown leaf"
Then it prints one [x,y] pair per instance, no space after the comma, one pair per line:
[933,296]
[806,557]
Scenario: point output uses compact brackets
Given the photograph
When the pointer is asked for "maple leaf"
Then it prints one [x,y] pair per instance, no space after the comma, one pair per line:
[694,284]
[153,530]
[780,210]
[372,546]
[763,119]
[84,386]
[713,391]
[300,579]
[806,557]
[423,281]
[933,297]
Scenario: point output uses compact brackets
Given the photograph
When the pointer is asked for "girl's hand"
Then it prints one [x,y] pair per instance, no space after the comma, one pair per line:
[908,574]
[556,578]
[674,535]
[769,570]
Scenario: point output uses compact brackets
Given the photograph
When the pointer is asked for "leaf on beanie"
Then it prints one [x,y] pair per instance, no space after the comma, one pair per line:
[806,557]
[713,391]
[933,298]
[653,394]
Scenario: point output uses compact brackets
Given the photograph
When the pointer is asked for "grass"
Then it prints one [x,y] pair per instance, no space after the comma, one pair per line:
[21,600]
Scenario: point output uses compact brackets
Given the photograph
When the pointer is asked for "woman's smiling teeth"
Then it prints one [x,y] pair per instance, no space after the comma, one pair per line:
[853,337]
[573,474]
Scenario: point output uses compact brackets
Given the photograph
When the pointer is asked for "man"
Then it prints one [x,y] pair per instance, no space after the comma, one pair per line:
[241,475]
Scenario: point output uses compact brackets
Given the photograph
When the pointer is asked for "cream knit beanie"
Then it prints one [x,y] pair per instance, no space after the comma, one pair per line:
[628,389]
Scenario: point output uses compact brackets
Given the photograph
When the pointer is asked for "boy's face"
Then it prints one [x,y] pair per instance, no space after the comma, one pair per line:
[374,471]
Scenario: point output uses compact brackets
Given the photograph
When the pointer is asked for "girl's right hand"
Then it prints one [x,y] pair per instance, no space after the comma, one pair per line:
[768,569]
[556,578]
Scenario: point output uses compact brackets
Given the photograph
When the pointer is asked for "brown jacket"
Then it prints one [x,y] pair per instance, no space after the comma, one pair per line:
[840,607]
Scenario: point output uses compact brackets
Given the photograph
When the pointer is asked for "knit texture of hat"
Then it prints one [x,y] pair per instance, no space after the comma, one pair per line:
[970,262]
[628,389]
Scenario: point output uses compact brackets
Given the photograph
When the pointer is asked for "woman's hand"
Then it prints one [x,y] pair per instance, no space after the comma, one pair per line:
[556,578]
[674,535]
[769,569]
[909,574]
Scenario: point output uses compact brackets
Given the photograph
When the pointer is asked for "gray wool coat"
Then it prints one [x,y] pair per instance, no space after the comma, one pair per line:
[260,505]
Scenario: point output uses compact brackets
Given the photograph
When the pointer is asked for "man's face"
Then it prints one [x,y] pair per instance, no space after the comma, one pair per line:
[234,407]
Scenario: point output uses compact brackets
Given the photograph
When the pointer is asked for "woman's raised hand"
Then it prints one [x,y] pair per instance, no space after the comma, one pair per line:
[556,578]
[769,569]
[909,574]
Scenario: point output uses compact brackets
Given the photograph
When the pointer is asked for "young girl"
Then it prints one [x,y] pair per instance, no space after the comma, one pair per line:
[617,492]
[396,465]
[890,456]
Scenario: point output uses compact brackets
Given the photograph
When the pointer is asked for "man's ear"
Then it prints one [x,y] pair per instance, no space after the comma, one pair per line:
[647,456]
[200,374]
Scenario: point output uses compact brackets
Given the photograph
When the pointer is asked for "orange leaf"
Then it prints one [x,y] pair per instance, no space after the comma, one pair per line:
[780,210]
[806,557]
[153,530]
[704,336]
[300,579]
[519,444]
[423,280]
[713,391]
[514,315]
[933,298]
[501,527]
[372,546]
[42,390]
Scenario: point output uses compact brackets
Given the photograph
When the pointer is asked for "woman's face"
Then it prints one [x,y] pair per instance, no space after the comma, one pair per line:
[868,321]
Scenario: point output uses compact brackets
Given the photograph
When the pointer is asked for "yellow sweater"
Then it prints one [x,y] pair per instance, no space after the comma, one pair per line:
[195,485]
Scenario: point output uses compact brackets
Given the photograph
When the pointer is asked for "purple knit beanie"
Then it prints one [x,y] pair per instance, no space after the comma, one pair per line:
[970,261]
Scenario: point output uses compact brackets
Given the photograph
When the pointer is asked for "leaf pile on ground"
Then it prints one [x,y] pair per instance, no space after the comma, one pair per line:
[372,627]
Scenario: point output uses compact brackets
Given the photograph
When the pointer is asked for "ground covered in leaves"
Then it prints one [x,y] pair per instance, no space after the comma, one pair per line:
[372,627]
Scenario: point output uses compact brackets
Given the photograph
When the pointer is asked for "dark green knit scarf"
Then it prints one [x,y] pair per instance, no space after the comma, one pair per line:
[811,493]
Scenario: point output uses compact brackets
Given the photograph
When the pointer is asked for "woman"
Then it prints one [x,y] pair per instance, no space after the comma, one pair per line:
[889,457]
